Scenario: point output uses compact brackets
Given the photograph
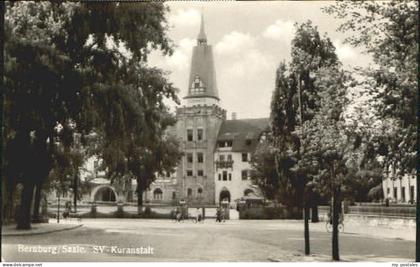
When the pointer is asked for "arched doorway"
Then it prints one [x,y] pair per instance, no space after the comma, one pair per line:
[224,195]
[105,194]
[157,194]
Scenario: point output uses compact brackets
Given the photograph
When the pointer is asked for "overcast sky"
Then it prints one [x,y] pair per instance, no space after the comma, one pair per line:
[249,40]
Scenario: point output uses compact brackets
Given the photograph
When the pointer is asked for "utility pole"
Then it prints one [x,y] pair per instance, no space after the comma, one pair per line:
[58,208]
[305,204]
[335,214]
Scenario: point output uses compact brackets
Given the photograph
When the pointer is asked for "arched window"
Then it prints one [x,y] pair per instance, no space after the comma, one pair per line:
[199,192]
[157,194]
[197,86]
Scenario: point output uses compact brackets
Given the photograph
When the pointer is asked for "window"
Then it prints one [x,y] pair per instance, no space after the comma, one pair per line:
[221,144]
[220,177]
[189,192]
[244,174]
[190,173]
[189,135]
[412,193]
[197,85]
[224,175]
[395,193]
[173,195]
[200,158]
[189,157]
[200,173]
[388,191]
[222,157]
[244,157]
[199,192]
[230,177]
[168,174]
[403,193]
[199,134]
[248,142]
[229,143]
[157,194]
[229,157]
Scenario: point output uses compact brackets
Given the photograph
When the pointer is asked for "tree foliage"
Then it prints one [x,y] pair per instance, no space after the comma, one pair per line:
[388,31]
[65,66]
[295,100]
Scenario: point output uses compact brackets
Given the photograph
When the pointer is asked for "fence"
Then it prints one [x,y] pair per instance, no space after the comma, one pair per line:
[398,211]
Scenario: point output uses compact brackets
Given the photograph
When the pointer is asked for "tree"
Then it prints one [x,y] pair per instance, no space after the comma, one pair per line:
[327,146]
[161,155]
[265,176]
[295,101]
[60,70]
[388,31]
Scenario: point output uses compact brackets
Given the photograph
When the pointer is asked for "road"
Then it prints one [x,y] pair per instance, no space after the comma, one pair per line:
[235,240]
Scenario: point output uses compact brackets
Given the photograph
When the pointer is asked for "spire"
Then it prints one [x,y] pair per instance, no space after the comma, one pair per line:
[202,38]
[202,81]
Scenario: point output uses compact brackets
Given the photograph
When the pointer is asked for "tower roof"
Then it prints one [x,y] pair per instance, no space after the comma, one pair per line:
[202,35]
[202,80]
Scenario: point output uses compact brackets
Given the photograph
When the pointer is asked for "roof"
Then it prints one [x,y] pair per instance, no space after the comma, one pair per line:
[202,35]
[202,67]
[239,131]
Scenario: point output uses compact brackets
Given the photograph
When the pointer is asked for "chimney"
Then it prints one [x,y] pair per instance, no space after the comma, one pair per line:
[233,115]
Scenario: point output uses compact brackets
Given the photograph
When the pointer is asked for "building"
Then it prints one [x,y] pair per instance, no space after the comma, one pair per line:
[400,189]
[217,151]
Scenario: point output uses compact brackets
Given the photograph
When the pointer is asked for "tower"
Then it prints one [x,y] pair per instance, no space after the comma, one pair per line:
[198,123]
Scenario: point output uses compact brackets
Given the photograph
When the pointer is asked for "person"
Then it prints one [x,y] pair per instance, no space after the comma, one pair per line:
[340,216]
[198,215]
[178,214]
[66,213]
[219,215]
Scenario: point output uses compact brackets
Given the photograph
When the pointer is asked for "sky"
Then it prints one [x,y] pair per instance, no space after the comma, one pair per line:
[249,41]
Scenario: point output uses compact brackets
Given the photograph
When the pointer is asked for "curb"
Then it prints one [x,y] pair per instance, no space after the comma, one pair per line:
[43,232]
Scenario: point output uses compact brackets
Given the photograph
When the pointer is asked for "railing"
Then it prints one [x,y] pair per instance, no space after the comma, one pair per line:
[379,211]
[195,144]
[220,164]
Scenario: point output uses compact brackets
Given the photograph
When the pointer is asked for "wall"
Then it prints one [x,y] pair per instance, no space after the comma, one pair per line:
[236,186]
[208,118]
[373,219]
[406,181]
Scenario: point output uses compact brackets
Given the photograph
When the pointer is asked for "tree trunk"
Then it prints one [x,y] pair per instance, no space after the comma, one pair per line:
[24,216]
[58,208]
[38,193]
[306,218]
[335,221]
[418,215]
[7,191]
[9,216]
[75,191]
[315,217]
[139,198]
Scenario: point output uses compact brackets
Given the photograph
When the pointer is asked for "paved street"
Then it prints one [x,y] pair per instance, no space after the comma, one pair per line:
[235,240]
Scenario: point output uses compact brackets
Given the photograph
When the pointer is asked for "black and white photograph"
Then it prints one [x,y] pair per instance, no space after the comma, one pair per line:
[210,131]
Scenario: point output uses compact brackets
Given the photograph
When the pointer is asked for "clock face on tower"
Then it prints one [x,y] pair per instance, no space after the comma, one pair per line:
[197,86]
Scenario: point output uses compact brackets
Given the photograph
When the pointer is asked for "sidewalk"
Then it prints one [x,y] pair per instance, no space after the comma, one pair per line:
[41,228]
[295,257]
[405,233]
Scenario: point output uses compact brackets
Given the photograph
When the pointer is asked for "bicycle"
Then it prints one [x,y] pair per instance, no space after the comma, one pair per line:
[329,225]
